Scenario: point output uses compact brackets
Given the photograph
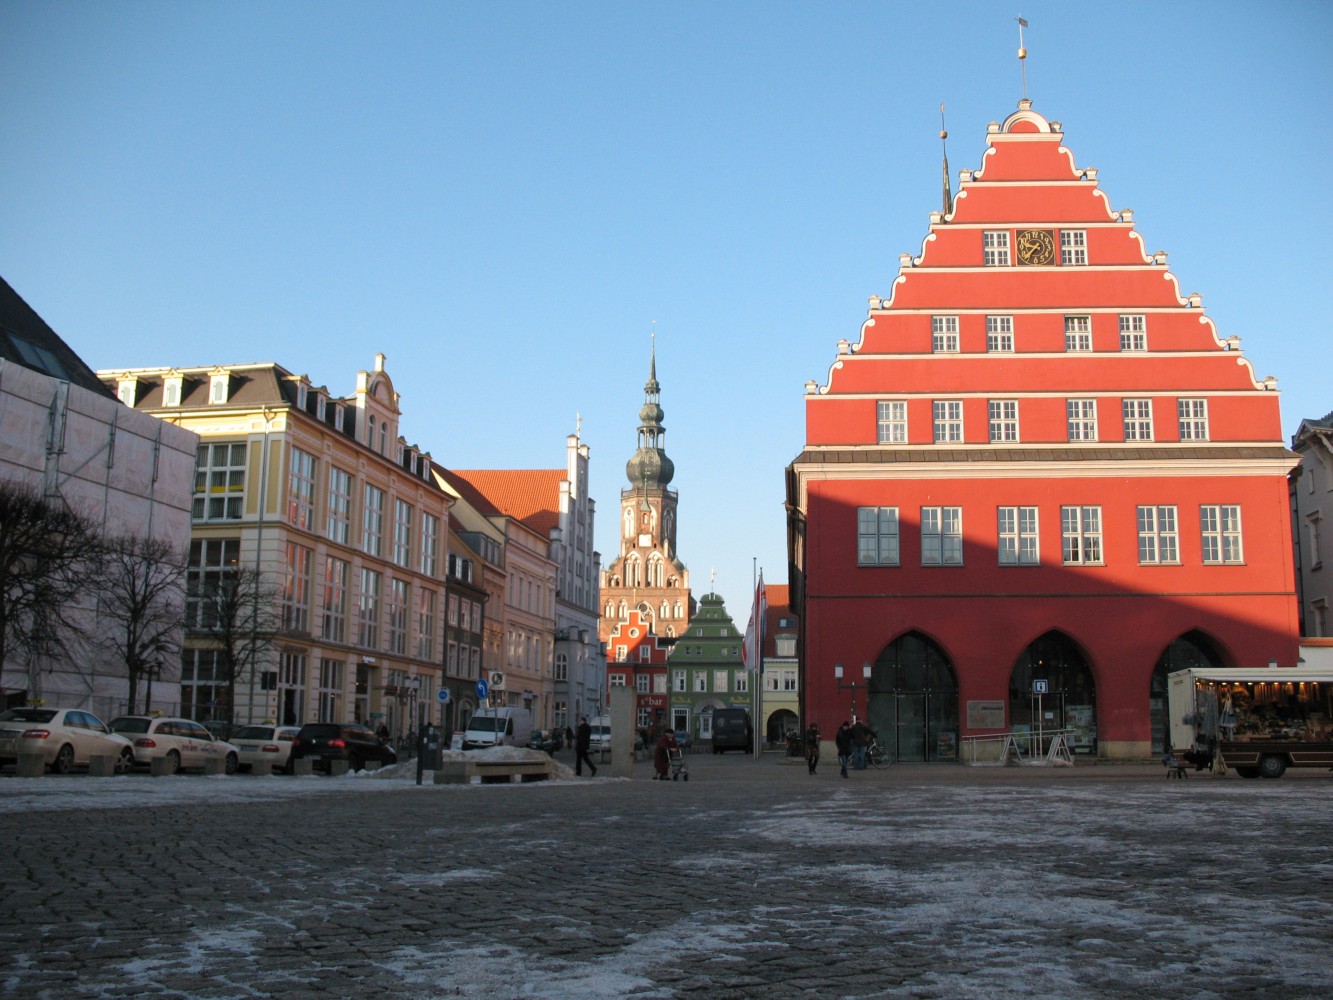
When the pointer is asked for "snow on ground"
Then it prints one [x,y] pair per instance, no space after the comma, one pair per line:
[81,791]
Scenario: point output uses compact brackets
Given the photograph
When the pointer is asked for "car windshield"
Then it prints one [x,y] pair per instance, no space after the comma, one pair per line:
[485,724]
[128,725]
[255,733]
[28,715]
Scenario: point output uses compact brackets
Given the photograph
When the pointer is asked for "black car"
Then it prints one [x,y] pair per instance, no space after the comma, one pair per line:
[547,740]
[326,742]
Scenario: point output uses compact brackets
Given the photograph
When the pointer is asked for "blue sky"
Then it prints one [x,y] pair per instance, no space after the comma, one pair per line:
[507,198]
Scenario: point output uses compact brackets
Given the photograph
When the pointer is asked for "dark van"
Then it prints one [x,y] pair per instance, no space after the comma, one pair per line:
[732,730]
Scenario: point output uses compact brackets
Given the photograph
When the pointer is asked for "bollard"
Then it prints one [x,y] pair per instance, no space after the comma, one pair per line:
[337,768]
[262,768]
[159,766]
[215,765]
[31,765]
[101,765]
[302,766]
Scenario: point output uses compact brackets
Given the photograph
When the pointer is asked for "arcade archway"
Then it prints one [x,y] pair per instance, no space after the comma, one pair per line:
[1193,649]
[1051,687]
[913,700]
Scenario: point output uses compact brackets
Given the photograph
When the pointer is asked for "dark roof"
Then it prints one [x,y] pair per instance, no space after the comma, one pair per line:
[26,340]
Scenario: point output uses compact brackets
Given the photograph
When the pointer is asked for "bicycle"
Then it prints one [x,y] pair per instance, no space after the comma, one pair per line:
[876,755]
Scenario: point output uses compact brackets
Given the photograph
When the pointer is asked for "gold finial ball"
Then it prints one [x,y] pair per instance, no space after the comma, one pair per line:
[944,134]
[1022,53]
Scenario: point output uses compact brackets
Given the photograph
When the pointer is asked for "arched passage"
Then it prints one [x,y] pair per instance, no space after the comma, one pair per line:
[913,700]
[780,723]
[1193,649]
[1069,700]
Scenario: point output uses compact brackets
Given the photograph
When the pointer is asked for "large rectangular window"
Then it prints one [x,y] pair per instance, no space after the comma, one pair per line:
[1137,415]
[368,610]
[1133,333]
[877,536]
[1081,533]
[204,685]
[1193,418]
[301,491]
[1018,536]
[892,421]
[1000,334]
[397,608]
[1003,420]
[430,547]
[402,532]
[295,599]
[948,415]
[335,600]
[427,601]
[219,482]
[212,569]
[944,334]
[941,536]
[1078,333]
[995,248]
[329,690]
[1073,246]
[372,521]
[1220,524]
[1158,538]
[1082,419]
[339,527]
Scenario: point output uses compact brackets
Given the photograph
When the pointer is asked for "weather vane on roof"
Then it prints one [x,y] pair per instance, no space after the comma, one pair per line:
[1022,56]
[944,135]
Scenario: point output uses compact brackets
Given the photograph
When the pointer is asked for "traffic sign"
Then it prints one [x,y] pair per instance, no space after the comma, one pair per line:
[1038,687]
[483,689]
[442,696]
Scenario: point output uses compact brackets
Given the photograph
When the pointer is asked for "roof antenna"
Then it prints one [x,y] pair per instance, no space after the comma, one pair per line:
[948,194]
[1022,56]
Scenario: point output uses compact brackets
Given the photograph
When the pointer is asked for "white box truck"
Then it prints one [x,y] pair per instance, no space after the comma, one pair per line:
[493,727]
[1258,722]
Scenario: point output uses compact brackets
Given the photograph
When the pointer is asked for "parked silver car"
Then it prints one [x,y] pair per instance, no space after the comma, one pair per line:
[258,744]
[183,742]
[66,738]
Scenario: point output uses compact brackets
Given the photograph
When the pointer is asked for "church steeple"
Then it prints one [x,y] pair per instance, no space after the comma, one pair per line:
[649,466]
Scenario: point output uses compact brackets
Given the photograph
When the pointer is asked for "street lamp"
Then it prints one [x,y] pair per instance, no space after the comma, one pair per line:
[853,685]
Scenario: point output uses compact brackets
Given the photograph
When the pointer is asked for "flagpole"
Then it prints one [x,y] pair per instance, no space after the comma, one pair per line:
[758,678]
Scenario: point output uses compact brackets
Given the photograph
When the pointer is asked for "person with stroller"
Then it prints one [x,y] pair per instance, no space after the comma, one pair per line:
[666,743]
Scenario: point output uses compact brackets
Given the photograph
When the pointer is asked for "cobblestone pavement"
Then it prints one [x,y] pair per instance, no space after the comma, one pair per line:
[753,879]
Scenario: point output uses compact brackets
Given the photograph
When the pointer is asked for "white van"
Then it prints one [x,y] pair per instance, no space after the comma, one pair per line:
[600,737]
[509,727]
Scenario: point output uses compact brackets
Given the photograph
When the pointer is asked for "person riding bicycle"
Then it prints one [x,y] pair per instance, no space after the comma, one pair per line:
[860,740]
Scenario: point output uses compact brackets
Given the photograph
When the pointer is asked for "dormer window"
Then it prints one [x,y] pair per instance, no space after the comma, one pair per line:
[370,432]
[219,388]
[302,395]
[171,391]
[321,407]
[128,391]
[338,418]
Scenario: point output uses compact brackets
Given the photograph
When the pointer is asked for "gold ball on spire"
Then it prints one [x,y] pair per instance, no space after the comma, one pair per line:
[1022,53]
[944,134]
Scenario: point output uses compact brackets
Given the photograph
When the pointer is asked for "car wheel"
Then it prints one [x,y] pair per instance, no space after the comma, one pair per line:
[125,762]
[1272,766]
[233,764]
[173,762]
[64,762]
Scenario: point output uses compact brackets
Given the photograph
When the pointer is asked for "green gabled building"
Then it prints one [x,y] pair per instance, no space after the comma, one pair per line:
[706,671]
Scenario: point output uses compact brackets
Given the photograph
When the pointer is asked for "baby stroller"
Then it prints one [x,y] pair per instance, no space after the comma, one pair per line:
[676,764]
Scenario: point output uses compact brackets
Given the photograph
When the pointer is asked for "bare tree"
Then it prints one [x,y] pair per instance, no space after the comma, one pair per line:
[237,610]
[46,553]
[142,605]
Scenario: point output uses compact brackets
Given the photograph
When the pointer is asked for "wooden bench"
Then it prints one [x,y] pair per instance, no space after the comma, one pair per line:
[461,772]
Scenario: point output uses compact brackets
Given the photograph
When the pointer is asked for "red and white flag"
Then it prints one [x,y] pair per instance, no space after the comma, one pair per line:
[752,649]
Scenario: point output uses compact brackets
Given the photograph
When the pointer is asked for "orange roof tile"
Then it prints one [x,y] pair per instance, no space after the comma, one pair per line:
[530,495]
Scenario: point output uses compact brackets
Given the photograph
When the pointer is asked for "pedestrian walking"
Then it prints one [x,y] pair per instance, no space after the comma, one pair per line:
[582,742]
[860,740]
[662,755]
[843,740]
[812,747]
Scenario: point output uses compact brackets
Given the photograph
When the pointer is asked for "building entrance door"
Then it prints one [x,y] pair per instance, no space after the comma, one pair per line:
[913,700]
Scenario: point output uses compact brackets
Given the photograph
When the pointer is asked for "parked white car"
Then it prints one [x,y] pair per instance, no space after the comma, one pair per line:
[65,737]
[258,744]
[183,742]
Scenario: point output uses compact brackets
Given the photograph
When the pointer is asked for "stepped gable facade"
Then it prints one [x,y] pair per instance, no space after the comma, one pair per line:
[1039,482]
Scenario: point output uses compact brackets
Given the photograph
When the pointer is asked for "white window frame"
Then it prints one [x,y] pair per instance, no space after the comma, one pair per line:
[402,532]
[1159,535]
[1081,419]
[1019,539]
[995,248]
[1192,419]
[334,619]
[948,420]
[1220,528]
[1078,334]
[339,521]
[1137,417]
[944,334]
[1133,332]
[368,610]
[892,421]
[1003,420]
[1000,334]
[295,596]
[372,520]
[301,490]
[941,536]
[1081,535]
[877,536]
[1073,247]
[219,481]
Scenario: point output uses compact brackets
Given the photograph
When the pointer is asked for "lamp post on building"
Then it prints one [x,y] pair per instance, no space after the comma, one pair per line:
[853,685]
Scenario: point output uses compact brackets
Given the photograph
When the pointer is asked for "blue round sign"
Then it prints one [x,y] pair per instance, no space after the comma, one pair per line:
[442,696]
[483,689]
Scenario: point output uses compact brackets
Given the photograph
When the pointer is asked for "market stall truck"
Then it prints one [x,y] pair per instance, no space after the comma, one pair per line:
[1258,722]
